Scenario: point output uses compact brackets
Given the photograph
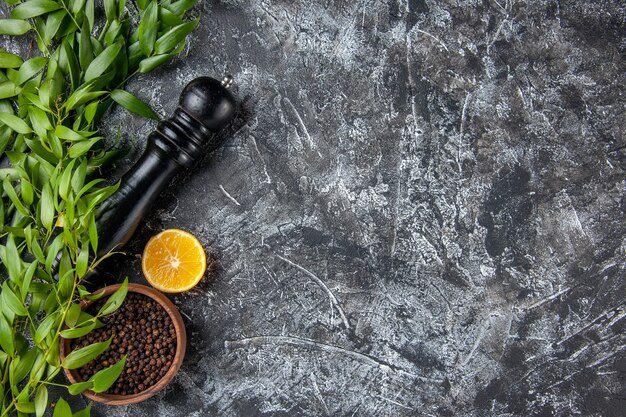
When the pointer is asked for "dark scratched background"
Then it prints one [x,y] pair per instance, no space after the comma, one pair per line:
[419,210]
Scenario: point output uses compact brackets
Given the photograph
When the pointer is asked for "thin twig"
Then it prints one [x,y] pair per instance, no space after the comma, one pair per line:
[318,393]
[230,197]
[549,298]
[434,37]
[323,286]
[301,342]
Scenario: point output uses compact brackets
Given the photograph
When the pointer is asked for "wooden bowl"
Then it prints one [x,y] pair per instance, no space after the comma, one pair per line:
[181,343]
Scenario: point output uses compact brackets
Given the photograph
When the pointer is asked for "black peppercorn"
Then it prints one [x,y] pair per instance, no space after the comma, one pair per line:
[143,331]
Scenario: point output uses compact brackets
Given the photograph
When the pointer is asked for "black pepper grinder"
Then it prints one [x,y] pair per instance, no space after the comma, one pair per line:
[206,105]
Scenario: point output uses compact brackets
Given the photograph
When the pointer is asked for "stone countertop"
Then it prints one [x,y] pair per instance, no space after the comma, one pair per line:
[420,210]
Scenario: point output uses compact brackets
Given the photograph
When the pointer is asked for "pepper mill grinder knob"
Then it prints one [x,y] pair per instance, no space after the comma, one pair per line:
[209,101]
[205,106]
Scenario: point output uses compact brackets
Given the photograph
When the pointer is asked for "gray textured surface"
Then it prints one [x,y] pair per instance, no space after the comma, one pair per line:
[429,214]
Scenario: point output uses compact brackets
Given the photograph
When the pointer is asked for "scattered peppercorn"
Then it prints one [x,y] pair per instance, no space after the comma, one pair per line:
[143,331]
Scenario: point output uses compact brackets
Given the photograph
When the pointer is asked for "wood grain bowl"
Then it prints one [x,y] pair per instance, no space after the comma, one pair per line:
[181,342]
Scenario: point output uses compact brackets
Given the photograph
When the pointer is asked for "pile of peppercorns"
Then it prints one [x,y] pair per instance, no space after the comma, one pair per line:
[143,331]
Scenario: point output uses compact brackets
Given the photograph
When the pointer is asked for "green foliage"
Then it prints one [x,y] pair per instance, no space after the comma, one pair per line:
[50,106]
[133,104]
[83,356]
[14,27]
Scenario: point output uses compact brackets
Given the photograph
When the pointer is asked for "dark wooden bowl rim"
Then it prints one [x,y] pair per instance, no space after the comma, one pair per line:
[181,343]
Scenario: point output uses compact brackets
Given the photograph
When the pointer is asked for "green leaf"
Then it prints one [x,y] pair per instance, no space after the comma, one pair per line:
[5,138]
[78,6]
[56,146]
[113,32]
[79,387]
[110,9]
[28,277]
[6,336]
[105,160]
[66,133]
[14,27]
[41,400]
[53,359]
[52,370]
[181,7]
[167,19]
[132,103]
[80,148]
[14,231]
[12,194]
[38,368]
[83,356]
[38,252]
[13,261]
[148,28]
[64,181]
[30,237]
[106,80]
[66,274]
[40,151]
[47,206]
[53,24]
[93,234]
[89,13]
[26,190]
[45,327]
[34,99]
[73,313]
[174,36]
[8,89]
[12,301]
[15,123]
[39,121]
[134,54]
[103,61]
[90,111]
[10,316]
[30,68]
[9,60]
[82,261]
[78,179]
[39,26]
[10,174]
[77,332]
[85,412]
[97,197]
[121,6]
[85,53]
[45,91]
[102,380]
[53,251]
[82,95]
[115,300]
[86,318]
[25,365]
[150,64]
[62,409]
[73,65]
[25,407]
[34,8]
